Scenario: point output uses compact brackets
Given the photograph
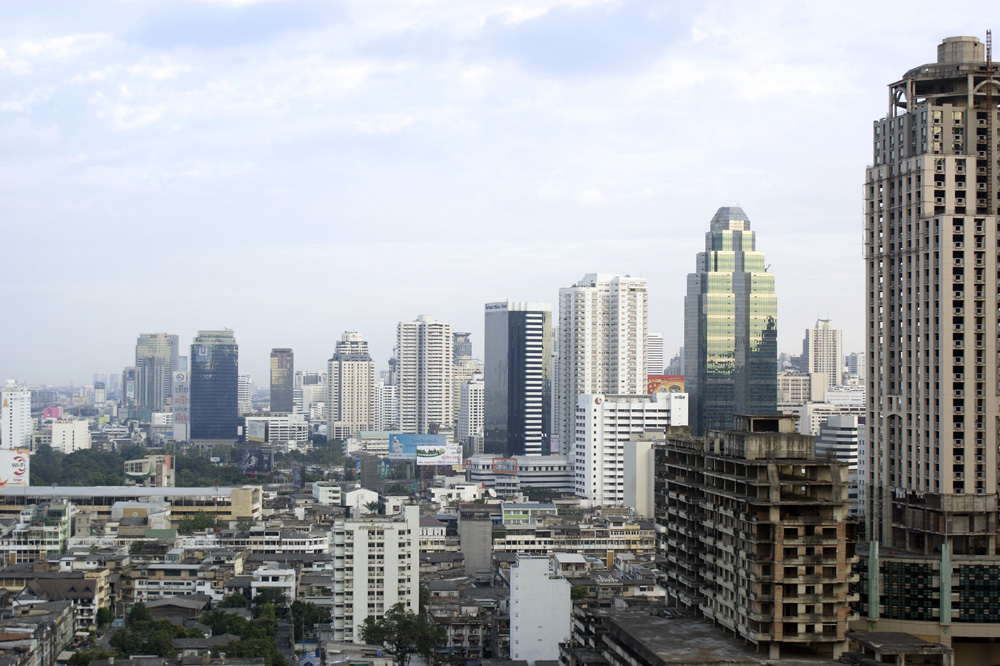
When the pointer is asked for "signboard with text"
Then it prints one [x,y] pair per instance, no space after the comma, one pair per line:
[15,467]
[439,455]
[404,447]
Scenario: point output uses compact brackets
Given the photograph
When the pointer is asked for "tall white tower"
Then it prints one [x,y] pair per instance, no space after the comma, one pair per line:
[424,375]
[351,387]
[823,351]
[15,431]
[602,344]
[654,354]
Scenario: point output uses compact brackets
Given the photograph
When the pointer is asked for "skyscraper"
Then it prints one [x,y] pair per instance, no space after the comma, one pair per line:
[15,416]
[214,385]
[931,244]
[654,354]
[822,350]
[461,346]
[517,417]
[351,387]
[730,327]
[155,361]
[282,379]
[423,374]
[602,344]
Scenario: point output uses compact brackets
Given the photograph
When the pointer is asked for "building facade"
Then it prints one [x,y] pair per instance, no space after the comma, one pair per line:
[730,327]
[517,418]
[351,387]
[282,380]
[424,375]
[540,609]
[931,243]
[214,378]
[156,361]
[602,344]
[823,351]
[15,417]
[654,354]
[470,413]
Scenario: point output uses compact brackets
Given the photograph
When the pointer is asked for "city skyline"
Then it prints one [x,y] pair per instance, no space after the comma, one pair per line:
[568,126]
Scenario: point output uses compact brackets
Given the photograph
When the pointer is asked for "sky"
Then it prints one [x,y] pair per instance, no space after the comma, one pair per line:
[294,170]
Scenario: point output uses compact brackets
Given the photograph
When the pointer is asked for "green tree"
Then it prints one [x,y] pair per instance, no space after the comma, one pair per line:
[104,617]
[273,597]
[138,616]
[404,634]
[194,523]
[234,601]
[85,657]
[253,647]
[305,617]
[579,592]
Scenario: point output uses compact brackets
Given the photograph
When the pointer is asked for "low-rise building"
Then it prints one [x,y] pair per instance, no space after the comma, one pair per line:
[152,471]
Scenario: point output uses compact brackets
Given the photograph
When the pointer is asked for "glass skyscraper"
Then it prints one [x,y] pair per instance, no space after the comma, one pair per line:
[155,362]
[730,328]
[517,418]
[282,379]
[214,385]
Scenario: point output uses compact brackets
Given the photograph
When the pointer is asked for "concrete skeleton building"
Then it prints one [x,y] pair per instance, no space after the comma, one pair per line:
[931,252]
[424,375]
[753,533]
[601,344]
[351,388]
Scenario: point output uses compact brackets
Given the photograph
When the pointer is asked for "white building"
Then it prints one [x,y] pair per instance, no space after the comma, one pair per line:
[822,350]
[69,435]
[270,577]
[277,428]
[244,397]
[463,369]
[357,500]
[838,439]
[470,411]
[654,354]
[351,393]
[540,610]
[507,476]
[15,429]
[814,414]
[602,344]
[796,389]
[376,565]
[424,375]
[326,492]
[386,406]
[604,425]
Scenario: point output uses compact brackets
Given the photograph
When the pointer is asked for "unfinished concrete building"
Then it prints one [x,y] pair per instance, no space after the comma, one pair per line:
[753,531]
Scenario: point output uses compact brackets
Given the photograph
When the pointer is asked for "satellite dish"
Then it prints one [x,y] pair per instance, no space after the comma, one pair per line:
[491,492]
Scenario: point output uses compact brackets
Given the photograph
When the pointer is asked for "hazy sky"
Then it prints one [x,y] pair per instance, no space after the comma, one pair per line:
[292,170]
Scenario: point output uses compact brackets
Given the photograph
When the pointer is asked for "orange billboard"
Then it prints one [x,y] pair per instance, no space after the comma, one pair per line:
[664,384]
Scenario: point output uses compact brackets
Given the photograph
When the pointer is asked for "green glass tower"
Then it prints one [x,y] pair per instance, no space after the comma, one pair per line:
[730,328]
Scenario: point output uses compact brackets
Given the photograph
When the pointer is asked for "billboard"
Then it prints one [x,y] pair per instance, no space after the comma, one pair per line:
[439,455]
[256,431]
[664,384]
[505,465]
[255,459]
[384,469]
[404,447]
[181,392]
[15,467]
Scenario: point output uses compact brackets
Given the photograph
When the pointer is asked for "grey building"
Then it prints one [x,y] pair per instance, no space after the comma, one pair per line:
[214,385]
[730,327]
[155,361]
[517,417]
[282,379]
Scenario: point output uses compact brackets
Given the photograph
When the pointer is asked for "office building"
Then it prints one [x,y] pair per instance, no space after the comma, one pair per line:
[931,243]
[757,535]
[517,417]
[424,375]
[602,344]
[797,388]
[244,394]
[654,354]
[215,385]
[822,350]
[604,426]
[730,327]
[463,370]
[282,380]
[15,414]
[351,387]
[461,346]
[155,361]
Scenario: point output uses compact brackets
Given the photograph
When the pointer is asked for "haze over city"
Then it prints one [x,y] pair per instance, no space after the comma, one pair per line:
[292,170]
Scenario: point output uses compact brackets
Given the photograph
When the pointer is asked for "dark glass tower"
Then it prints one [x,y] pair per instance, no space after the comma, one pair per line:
[282,379]
[730,328]
[517,417]
[214,385]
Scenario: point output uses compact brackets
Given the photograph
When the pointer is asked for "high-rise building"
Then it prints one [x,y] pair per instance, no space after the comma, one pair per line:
[282,380]
[517,418]
[540,610]
[461,346]
[15,413]
[654,354]
[931,250]
[215,385]
[822,350]
[69,435]
[386,406]
[463,370]
[351,387]
[602,344]
[470,414]
[156,361]
[244,394]
[423,375]
[730,327]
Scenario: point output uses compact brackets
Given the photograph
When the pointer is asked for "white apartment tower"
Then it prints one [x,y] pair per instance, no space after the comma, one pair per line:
[654,354]
[604,423]
[602,344]
[931,253]
[424,375]
[15,412]
[470,413]
[822,350]
[245,394]
[351,388]
[386,406]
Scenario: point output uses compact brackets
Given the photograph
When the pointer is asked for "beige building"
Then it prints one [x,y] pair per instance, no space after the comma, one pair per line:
[424,375]
[151,471]
[351,388]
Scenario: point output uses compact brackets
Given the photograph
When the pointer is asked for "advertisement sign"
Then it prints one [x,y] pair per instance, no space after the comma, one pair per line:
[664,384]
[505,465]
[256,431]
[255,459]
[404,447]
[202,354]
[14,467]
[384,469]
[439,455]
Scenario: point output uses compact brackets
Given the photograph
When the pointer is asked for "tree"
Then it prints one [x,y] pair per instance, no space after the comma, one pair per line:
[234,600]
[305,617]
[104,617]
[579,592]
[404,634]
[272,597]
[194,523]
[83,658]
